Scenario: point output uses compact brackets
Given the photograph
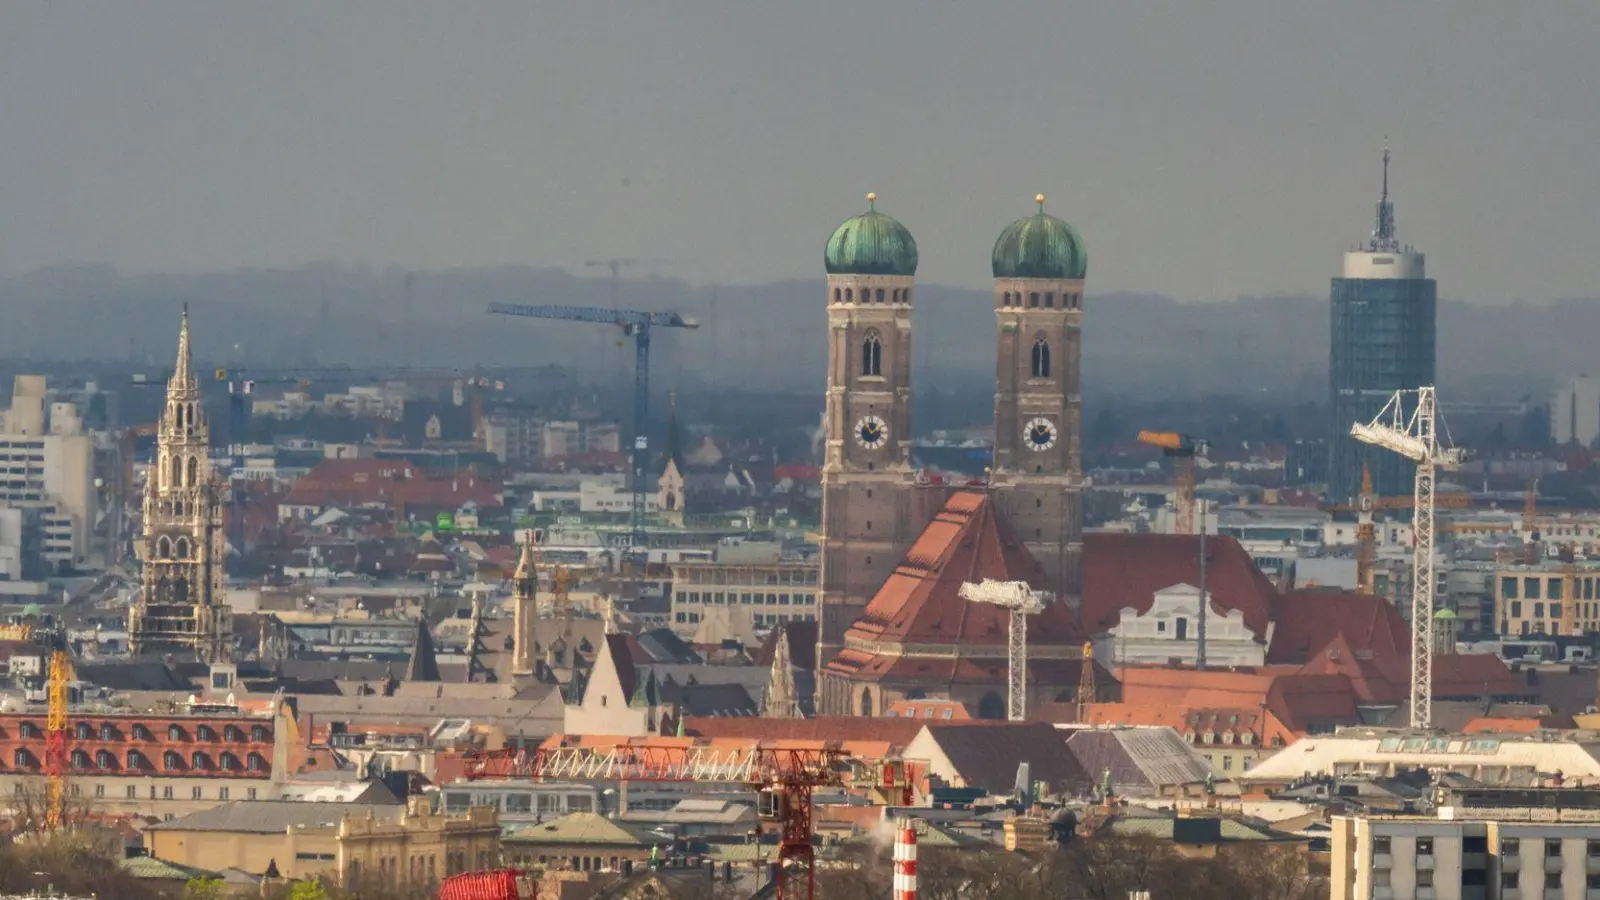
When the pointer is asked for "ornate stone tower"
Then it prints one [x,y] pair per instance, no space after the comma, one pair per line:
[871,508]
[524,610]
[182,609]
[1037,477]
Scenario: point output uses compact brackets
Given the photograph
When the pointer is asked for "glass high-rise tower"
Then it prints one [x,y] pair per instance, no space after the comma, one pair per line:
[1382,341]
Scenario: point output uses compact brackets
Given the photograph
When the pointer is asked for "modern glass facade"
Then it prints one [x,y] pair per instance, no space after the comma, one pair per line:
[1382,341]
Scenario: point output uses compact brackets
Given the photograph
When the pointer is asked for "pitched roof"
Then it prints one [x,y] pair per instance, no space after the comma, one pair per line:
[585,828]
[710,699]
[921,602]
[424,665]
[1307,620]
[802,644]
[987,754]
[1126,570]
[822,728]
[1139,758]
[148,867]
[274,816]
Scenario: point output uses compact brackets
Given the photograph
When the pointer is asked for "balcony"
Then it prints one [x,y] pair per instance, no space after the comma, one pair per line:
[1382,861]
[1511,864]
[1425,893]
[1424,862]
[1383,893]
[1592,865]
[1553,865]
[1474,860]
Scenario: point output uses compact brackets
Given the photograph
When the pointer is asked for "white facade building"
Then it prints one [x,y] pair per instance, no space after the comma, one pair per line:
[1170,631]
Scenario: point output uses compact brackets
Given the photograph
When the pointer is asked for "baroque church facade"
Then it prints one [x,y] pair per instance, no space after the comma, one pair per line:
[182,609]
[896,546]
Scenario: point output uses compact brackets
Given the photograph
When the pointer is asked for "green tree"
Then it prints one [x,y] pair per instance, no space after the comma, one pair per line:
[308,890]
[204,889]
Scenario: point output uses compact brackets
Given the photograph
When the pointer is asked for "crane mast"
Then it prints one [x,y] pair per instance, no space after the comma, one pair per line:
[637,325]
[1022,601]
[1414,435]
[55,740]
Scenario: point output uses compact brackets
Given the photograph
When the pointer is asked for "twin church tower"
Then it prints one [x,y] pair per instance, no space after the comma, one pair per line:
[875,504]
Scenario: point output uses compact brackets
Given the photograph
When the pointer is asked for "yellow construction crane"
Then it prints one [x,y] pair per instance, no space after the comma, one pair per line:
[1182,449]
[1086,688]
[55,739]
[1367,504]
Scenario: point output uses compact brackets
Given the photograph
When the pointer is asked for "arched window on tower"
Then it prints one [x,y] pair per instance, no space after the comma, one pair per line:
[872,354]
[880,295]
[181,548]
[1041,358]
[866,702]
[194,472]
[177,472]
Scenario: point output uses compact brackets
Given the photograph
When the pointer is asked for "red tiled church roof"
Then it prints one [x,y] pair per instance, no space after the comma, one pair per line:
[1126,570]
[1308,620]
[921,603]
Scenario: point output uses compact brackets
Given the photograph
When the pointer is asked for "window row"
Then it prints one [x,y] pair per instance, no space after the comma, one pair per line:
[86,731]
[171,761]
[868,295]
[1036,300]
[131,792]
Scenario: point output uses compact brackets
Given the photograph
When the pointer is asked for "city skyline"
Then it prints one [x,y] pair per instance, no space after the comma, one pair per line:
[1214,153]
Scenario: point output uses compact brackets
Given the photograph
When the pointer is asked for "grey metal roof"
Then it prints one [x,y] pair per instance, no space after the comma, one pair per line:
[274,816]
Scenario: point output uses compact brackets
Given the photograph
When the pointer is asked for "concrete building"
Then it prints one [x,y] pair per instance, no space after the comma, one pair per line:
[1382,341]
[773,592]
[1575,412]
[560,439]
[1480,845]
[1548,598]
[351,842]
[182,609]
[47,465]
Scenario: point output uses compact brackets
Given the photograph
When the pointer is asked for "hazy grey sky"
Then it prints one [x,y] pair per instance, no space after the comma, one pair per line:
[1205,149]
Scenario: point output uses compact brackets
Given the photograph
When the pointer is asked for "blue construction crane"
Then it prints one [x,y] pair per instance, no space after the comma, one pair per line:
[637,325]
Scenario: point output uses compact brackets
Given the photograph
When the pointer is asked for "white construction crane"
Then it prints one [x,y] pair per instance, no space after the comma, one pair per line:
[1023,601]
[1414,436]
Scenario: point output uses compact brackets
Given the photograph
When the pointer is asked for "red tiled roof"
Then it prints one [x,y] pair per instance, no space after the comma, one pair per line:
[965,542]
[822,728]
[1126,570]
[1475,675]
[362,482]
[1308,620]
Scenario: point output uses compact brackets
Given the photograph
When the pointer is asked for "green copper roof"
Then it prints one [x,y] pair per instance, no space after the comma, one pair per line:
[1039,246]
[871,244]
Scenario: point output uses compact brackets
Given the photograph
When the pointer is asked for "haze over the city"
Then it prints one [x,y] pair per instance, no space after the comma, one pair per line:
[1205,151]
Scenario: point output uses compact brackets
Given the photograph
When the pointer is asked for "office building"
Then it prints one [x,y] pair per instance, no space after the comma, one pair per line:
[1382,340]
[1483,844]
[47,468]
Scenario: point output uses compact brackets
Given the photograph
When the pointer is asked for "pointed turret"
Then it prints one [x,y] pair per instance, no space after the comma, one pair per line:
[183,379]
[674,435]
[424,664]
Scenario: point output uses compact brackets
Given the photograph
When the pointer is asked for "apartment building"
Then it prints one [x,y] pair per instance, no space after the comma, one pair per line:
[1485,844]
[1554,598]
[773,592]
[47,466]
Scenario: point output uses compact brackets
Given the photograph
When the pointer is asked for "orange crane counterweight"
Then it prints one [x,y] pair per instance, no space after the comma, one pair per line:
[1183,449]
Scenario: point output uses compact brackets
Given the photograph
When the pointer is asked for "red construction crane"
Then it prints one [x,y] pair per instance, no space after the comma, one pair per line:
[784,779]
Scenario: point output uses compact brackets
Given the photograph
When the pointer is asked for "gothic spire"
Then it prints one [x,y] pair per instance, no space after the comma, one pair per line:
[424,665]
[527,566]
[674,435]
[183,371]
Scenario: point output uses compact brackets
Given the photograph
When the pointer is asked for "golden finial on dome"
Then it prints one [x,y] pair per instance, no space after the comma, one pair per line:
[1039,199]
[872,199]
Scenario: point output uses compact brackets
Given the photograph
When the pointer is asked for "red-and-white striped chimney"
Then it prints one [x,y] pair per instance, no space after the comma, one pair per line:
[905,864]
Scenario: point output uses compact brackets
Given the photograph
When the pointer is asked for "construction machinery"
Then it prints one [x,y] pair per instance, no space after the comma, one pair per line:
[1182,449]
[784,781]
[638,325]
[55,732]
[1367,505]
[1022,601]
[1413,433]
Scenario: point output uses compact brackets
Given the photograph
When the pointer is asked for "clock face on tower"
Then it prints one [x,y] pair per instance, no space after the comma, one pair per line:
[871,432]
[1039,434]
